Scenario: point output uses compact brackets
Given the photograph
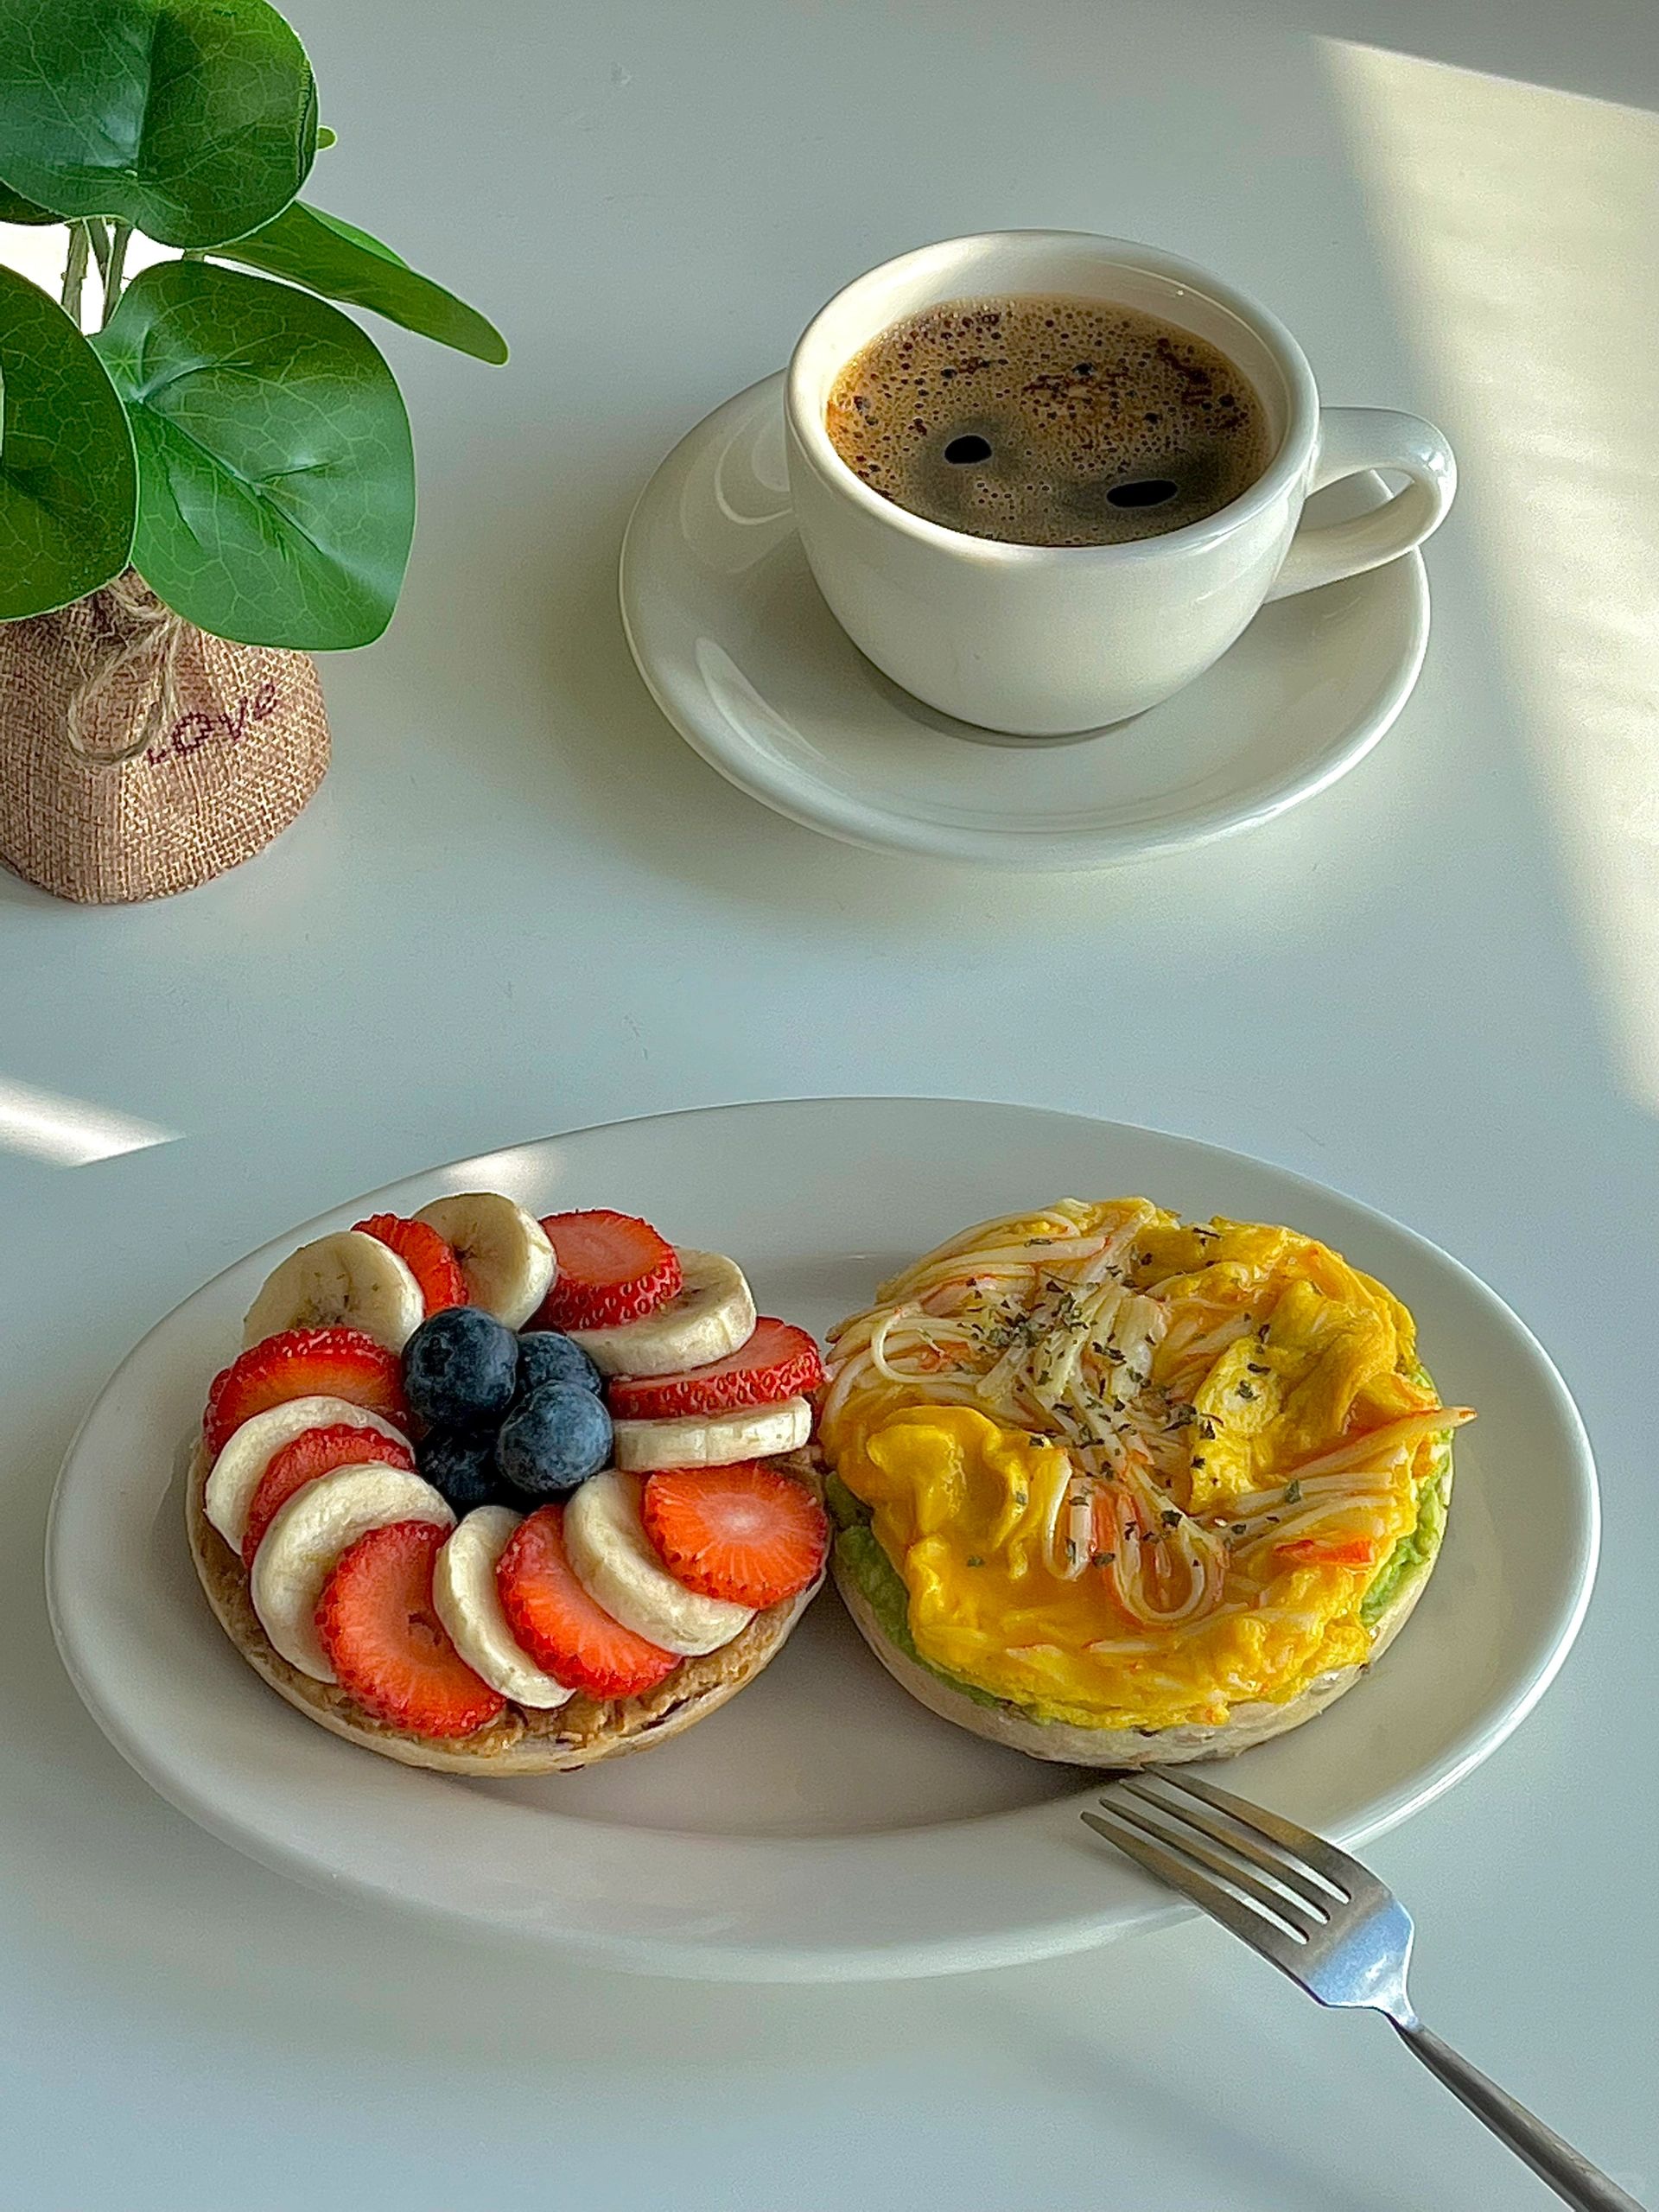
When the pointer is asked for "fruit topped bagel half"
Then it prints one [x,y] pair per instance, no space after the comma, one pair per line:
[497,1495]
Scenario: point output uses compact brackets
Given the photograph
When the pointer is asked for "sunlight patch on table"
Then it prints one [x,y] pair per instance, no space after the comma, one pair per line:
[1521,225]
[69,1131]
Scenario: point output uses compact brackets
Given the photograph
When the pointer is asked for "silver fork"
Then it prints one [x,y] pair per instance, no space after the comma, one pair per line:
[1331,1926]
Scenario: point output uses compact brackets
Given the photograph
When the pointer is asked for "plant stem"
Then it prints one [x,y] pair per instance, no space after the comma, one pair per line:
[75,270]
[99,235]
[120,239]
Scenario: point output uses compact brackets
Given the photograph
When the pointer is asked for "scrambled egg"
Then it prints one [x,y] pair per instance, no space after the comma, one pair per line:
[1267,1352]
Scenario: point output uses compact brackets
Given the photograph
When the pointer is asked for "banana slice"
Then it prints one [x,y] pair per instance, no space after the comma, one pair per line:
[304,1542]
[617,1566]
[469,1605]
[503,1250]
[712,1314]
[249,1451]
[349,1277]
[755,1433]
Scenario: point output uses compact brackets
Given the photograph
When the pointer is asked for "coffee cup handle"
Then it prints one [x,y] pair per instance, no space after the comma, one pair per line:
[1355,438]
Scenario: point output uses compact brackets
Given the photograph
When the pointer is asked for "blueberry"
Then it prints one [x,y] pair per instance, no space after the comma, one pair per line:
[546,1357]
[460,1463]
[553,1440]
[460,1368]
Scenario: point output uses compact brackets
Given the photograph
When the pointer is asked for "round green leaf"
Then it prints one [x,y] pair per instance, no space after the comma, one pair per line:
[276,477]
[68,484]
[14,208]
[193,120]
[335,258]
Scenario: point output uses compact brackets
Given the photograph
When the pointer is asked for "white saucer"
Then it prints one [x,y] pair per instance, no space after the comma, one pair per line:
[741,654]
[824,1825]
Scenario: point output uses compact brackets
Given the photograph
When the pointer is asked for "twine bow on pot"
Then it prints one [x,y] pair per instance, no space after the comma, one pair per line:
[136,638]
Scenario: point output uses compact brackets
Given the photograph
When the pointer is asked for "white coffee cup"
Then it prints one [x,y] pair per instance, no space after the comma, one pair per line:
[1040,641]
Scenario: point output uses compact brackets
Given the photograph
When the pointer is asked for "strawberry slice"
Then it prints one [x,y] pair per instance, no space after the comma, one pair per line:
[313,1452]
[424,1252]
[565,1632]
[612,1267]
[336,1362]
[377,1622]
[744,1532]
[778,1361]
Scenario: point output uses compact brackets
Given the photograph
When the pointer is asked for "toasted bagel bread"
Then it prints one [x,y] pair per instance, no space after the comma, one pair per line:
[522,1741]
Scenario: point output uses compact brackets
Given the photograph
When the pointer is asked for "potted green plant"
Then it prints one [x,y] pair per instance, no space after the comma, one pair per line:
[216,481]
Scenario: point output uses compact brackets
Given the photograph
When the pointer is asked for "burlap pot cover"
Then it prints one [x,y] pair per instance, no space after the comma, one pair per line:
[139,756]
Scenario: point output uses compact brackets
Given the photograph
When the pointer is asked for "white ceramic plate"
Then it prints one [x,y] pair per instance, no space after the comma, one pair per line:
[739,651]
[823,1826]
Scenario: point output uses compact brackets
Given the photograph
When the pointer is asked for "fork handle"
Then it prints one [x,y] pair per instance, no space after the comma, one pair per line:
[1568,2172]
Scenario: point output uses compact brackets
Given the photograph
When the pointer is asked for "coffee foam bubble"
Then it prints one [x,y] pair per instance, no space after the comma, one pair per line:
[1076,399]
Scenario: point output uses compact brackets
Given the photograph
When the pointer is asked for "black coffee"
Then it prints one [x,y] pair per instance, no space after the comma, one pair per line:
[1049,421]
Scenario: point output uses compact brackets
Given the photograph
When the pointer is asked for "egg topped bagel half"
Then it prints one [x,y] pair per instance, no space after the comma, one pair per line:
[1120,1489]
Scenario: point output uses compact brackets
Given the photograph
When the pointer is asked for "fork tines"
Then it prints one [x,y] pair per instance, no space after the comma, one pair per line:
[1271,1883]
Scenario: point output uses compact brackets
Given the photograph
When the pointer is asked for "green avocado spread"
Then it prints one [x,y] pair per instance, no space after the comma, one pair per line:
[1418,1549]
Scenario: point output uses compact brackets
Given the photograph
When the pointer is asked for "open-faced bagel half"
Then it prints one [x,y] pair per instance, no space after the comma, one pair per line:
[1116,1748]
[523,1740]
[1119,1490]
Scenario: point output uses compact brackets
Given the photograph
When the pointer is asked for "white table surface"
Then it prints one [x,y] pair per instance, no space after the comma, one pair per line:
[520,904]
